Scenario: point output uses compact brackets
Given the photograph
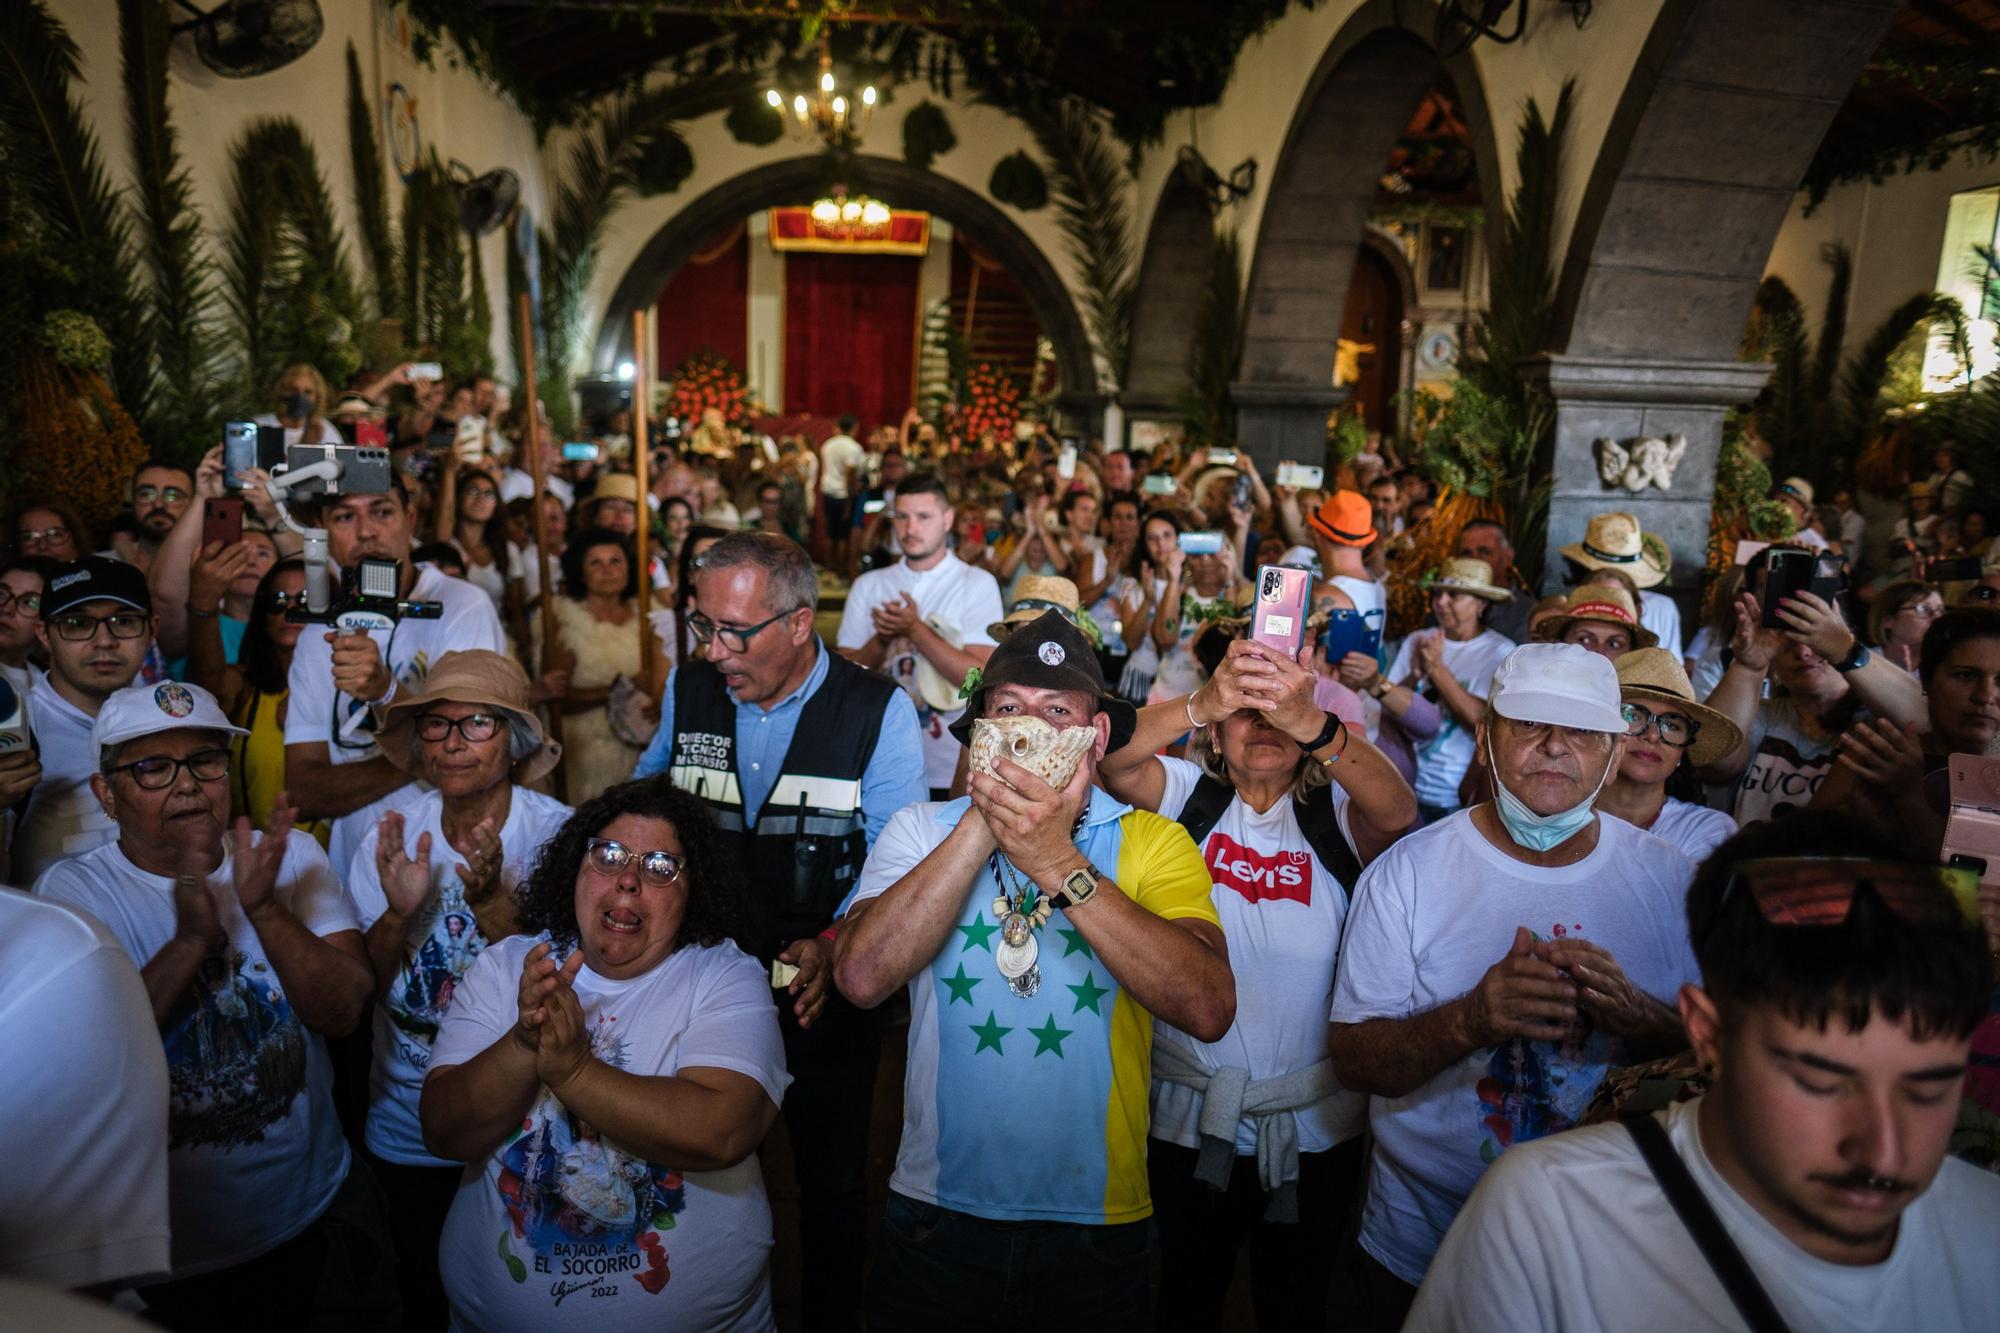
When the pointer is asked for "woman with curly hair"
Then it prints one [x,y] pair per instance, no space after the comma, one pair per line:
[611,1074]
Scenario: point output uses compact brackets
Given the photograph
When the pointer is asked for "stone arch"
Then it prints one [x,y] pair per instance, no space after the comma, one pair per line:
[1650,308]
[799,179]
[1360,97]
[1173,273]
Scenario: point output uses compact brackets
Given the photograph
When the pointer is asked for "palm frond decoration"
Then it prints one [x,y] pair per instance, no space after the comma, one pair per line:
[177,324]
[287,282]
[370,200]
[58,193]
[1833,324]
[1094,212]
[1863,377]
[599,175]
[479,305]
[1788,412]
[1215,344]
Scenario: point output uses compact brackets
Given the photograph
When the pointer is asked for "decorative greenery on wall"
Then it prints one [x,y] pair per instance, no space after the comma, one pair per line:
[1491,438]
[378,244]
[176,327]
[69,233]
[927,135]
[1918,105]
[438,313]
[286,278]
[1094,213]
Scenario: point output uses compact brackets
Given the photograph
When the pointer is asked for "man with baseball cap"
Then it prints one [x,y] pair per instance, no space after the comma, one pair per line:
[1020,1183]
[251,953]
[1496,963]
[96,626]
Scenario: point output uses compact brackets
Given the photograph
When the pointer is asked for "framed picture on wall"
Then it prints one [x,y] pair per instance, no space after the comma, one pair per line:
[1444,258]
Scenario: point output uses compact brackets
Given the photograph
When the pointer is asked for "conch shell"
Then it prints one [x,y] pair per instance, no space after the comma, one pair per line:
[1051,754]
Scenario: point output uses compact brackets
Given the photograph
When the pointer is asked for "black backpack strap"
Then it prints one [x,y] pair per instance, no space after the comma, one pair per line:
[1320,822]
[1728,1263]
[1204,807]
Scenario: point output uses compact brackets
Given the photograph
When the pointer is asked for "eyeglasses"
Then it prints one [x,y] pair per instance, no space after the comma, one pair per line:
[1923,610]
[76,627]
[172,495]
[35,538]
[658,869]
[474,727]
[25,603]
[1983,592]
[1819,891]
[1672,728]
[734,639]
[1581,737]
[158,772]
[284,601]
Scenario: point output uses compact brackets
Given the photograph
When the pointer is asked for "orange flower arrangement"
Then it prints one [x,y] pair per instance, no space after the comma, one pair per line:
[706,380]
[992,401]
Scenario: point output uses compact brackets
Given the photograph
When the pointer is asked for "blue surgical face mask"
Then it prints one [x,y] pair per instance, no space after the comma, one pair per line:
[1539,833]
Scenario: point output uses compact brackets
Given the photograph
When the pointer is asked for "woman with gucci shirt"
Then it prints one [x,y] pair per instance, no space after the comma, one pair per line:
[1252,1136]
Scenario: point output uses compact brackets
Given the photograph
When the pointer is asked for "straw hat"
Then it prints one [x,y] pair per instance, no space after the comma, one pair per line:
[1034,594]
[1345,518]
[1646,674]
[1919,490]
[1613,540]
[1796,487]
[617,486]
[471,676]
[1468,576]
[932,688]
[1603,602]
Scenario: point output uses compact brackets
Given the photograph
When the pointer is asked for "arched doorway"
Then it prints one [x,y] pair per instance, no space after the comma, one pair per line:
[801,179]
[1372,80]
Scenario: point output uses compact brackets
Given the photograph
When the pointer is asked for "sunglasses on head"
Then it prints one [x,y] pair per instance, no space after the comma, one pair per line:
[1819,891]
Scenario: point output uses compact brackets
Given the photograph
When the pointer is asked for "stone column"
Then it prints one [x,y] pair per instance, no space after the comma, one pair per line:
[1279,420]
[1628,399]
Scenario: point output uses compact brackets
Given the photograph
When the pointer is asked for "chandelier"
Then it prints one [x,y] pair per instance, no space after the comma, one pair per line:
[849,216]
[825,112]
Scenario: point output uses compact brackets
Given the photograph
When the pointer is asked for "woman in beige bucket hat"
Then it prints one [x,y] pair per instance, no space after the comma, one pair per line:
[1666,729]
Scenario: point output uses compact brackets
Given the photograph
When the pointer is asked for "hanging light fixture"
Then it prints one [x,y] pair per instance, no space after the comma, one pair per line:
[849,216]
[826,112]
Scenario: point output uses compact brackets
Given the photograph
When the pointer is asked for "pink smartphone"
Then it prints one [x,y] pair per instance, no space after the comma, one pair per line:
[1280,616]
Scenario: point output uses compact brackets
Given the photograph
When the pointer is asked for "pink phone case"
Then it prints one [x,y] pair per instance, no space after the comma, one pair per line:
[1280,617]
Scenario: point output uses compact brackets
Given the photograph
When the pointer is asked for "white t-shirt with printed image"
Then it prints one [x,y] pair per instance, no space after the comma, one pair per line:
[440,944]
[1443,759]
[961,598]
[1281,912]
[1787,763]
[255,1151]
[1431,915]
[562,1227]
[317,712]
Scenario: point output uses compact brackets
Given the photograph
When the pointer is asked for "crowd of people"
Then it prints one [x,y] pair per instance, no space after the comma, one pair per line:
[1520,959]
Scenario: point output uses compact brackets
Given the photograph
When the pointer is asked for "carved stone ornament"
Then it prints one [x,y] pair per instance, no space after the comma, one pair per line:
[1648,461]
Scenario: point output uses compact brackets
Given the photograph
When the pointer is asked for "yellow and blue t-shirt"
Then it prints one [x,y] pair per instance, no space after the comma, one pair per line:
[1033,1109]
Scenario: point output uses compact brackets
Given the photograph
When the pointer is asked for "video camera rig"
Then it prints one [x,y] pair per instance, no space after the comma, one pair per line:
[371,593]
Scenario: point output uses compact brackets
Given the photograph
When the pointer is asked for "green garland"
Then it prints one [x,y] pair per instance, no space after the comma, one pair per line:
[370,198]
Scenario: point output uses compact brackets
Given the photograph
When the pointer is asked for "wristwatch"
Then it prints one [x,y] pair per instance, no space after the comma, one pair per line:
[1857,657]
[1079,886]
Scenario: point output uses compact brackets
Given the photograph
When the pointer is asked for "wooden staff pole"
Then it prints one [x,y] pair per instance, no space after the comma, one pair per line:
[529,390]
[649,644]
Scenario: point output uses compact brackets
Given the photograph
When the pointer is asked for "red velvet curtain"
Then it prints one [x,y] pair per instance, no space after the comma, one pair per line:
[706,305]
[850,335]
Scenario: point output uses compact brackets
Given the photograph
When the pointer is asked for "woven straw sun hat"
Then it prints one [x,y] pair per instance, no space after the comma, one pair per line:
[1613,540]
[1651,675]
[1468,576]
[1604,602]
[471,676]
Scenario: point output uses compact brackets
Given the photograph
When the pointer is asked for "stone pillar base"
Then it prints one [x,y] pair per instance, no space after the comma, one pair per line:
[1278,421]
[1626,399]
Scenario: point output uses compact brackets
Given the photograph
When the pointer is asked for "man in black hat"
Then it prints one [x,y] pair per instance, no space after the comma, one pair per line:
[1039,929]
[97,623]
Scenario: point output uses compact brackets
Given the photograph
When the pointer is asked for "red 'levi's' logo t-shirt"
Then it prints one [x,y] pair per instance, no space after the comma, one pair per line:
[1287,875]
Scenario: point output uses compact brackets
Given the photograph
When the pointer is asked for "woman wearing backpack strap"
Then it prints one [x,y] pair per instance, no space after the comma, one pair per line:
[1253,1138]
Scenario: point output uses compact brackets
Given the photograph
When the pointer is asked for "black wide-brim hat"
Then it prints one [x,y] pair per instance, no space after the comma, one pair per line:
[1048,653]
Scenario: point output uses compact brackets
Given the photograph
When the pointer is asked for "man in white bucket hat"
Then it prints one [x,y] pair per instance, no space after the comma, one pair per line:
[1495,964]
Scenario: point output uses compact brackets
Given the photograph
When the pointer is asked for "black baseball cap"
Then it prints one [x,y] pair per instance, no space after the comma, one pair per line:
[95,578]
[1048,653]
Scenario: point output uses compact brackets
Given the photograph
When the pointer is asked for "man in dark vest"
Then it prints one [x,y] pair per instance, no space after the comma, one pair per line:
[802,756]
